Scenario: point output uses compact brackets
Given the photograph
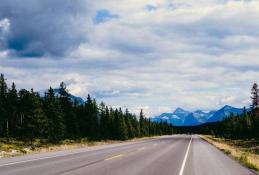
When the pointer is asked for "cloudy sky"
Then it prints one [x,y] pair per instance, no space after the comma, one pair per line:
[150,54]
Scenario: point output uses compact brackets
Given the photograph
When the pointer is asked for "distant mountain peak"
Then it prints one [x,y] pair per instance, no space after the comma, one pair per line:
[180,110]
[199,111]
[181,117]
[227,107]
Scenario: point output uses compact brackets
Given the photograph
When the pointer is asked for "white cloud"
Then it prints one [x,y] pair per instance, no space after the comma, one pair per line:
[196,54]
[4,30]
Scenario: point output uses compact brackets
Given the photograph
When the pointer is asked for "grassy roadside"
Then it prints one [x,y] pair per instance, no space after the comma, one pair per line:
[244,151]
[14,147]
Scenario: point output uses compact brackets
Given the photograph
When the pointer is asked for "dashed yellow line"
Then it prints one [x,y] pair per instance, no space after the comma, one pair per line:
[142,148]
[120,155]
[114,157]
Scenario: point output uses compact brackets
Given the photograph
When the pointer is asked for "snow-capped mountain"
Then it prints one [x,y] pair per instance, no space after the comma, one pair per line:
[177,117]
[201,116]
[181,117]
[223,112]
[169,117]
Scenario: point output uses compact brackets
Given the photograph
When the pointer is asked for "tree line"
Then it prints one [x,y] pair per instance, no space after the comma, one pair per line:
[244,126]
[25,115]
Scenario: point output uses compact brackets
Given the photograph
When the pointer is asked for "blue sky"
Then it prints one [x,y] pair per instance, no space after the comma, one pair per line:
[103,16]
[150,54]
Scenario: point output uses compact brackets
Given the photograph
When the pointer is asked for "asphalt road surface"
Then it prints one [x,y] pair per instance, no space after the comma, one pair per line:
[169,155]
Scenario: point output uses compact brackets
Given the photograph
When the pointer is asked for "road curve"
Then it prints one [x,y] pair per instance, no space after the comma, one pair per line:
[168,155]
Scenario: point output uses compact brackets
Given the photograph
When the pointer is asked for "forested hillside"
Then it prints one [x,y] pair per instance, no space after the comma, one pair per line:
[25,115]
[244,126]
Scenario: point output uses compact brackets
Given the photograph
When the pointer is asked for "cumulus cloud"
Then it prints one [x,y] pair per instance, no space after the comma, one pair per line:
[151,54]
[4,30]
[48,27]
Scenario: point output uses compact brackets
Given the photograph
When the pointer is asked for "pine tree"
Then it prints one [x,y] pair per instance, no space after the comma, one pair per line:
[141,123]
[70,119]
[12,110]
[129,124]
[92,123]
[53,111]
[136,126]
[112,124]
[95,120]
[3,106]
[104,121]
[25,115]
[116,124]
[35,121]
[255,96]
[109,120]
[120,126]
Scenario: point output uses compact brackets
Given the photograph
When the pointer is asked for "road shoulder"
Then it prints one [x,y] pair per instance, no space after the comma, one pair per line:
[239,153]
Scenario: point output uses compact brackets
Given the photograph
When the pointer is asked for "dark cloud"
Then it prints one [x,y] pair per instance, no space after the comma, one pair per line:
[46,27]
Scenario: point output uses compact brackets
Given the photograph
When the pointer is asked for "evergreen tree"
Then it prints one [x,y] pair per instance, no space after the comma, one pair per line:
[34,122]
[136,126]
[91,118]
[25,115]
[129,124]
[3,106]
[120,126]
[71,122]
[255,96]
[12,110]
[103,122]
[141,123]
[112,124]
[53,111]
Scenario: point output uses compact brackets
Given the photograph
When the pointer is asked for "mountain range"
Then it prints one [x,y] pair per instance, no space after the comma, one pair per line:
[181,117]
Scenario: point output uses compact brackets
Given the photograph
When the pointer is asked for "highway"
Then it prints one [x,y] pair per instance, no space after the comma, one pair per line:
[167,155]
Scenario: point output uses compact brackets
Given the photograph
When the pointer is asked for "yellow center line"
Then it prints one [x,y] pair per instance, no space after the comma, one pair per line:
[142,148]
[114,157]
[120,155]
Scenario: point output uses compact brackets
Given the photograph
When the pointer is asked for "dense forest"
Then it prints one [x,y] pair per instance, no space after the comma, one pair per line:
[25,115]
[244,126]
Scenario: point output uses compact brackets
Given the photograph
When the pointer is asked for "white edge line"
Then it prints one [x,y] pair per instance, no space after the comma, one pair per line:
[185,158]
[47,157]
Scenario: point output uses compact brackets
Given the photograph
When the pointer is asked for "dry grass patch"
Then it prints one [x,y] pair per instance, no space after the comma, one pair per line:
[14,147]
[245,151]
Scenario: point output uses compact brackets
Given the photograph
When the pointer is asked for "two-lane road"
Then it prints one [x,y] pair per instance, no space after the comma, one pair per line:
[170,155]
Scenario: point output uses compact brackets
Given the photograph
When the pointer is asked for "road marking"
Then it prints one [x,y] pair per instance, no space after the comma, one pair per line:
[142,148]
[55,156]
[47,157]
[185,158]
[114,157]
